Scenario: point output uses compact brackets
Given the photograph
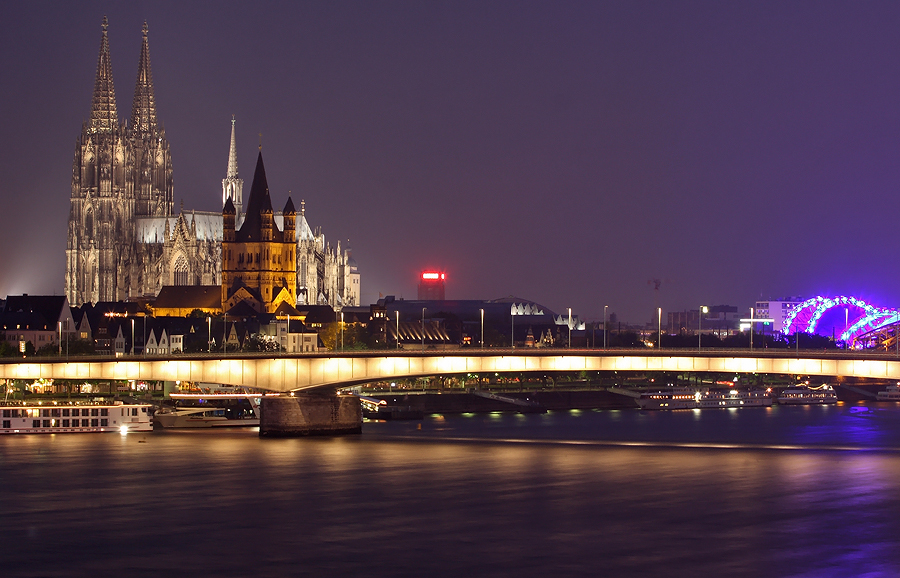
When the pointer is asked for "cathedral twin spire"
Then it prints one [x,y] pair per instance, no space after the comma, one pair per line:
[103,106]
[143,109]
[104,116]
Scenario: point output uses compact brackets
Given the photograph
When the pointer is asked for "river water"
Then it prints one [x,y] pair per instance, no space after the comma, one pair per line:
[782,491]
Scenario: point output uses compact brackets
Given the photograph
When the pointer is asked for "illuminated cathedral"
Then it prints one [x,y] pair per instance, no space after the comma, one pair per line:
[125,240]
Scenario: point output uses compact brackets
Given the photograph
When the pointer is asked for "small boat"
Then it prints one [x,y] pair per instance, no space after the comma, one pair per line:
[805,395]
[685,398]
[892,393]
[201,417]
[74,417]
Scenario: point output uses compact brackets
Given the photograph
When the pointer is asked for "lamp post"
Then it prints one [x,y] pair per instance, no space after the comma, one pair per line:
[751,330]
[604,325]
[342,330]
[59,323]
[398,329]
[132,336]
[703,310]
[482,327]
[209,335]
[423,327]
[512,327]
[570,329]
[659,327]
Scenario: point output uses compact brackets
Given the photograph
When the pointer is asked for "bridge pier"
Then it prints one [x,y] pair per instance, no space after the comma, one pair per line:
[310,414]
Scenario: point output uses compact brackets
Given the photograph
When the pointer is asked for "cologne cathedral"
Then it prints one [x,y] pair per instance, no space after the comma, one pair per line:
[125,240]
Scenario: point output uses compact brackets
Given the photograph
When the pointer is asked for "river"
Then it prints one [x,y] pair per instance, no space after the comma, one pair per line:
[781,491]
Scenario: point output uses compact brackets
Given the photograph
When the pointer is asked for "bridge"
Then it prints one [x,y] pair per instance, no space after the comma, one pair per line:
[286,373]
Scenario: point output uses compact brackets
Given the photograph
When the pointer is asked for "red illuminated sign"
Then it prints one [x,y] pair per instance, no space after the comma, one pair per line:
[431,275]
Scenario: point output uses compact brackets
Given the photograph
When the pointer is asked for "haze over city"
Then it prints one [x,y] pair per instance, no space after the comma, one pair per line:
[570,154]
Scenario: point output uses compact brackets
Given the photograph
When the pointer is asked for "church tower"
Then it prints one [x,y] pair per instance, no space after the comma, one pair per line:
[101,205]
[232,184]
[151,161]
[258,260]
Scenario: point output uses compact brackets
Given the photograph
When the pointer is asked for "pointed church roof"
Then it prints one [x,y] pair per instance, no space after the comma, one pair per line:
[143,109]
[232,155]
[260,202]
[103,105]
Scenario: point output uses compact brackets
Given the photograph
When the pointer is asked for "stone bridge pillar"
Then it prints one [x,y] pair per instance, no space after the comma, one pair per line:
[310,414]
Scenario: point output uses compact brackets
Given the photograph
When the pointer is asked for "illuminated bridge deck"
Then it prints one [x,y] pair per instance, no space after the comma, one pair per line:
[285,373]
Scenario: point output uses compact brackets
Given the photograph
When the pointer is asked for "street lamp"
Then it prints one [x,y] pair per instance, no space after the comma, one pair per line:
[659,327]
[342,330]
[398,329]
[604,325]
[570,328]
[59,323]
[132,336]
[751,330]
[209,335]
[703,310]
[423,327]
[482,328]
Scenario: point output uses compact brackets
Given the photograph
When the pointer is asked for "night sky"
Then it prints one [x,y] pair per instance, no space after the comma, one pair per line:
[567,153]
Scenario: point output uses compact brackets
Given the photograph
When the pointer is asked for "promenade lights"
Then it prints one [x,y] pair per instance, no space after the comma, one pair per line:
[209,335]
[703,310]
[342,330]
[570,328]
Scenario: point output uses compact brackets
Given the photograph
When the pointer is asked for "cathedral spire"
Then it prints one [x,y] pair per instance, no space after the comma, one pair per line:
[232,184]
[103,105]
[232,155]
[143,109]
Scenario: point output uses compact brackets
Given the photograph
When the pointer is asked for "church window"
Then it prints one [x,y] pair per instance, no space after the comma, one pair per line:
[181,271]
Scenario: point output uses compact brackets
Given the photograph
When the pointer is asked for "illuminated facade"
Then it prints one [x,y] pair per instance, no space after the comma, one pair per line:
[125,240]
[259,266]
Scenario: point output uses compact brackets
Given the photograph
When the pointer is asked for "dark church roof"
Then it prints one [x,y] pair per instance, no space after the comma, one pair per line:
[189,297]
[259,202]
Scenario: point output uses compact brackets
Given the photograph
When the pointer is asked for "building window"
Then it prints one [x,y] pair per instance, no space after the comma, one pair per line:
[181,271]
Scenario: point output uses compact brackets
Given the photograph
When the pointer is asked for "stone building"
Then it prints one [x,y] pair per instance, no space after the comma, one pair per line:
[259,266]
[125,240]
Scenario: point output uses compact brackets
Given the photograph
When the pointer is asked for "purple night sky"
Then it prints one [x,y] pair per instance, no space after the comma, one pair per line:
[566,153]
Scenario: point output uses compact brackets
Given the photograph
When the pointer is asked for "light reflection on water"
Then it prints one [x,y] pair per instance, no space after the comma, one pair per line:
[482,494]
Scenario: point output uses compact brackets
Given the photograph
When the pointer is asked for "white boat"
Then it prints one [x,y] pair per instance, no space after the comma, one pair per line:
[73,417]
[702,399]
[804,395]
[197,417]
[892,393]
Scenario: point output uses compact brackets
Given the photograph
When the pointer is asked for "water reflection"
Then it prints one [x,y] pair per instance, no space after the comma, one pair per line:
[477,495]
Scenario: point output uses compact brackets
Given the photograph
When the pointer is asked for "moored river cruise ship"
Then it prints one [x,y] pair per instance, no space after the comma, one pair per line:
[73,417]
[803,395]
[685,398]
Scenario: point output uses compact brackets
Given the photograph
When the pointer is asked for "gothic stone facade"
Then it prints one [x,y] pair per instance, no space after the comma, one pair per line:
[125,240]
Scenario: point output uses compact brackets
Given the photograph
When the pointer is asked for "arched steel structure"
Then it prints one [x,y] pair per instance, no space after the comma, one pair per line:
[866,317]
